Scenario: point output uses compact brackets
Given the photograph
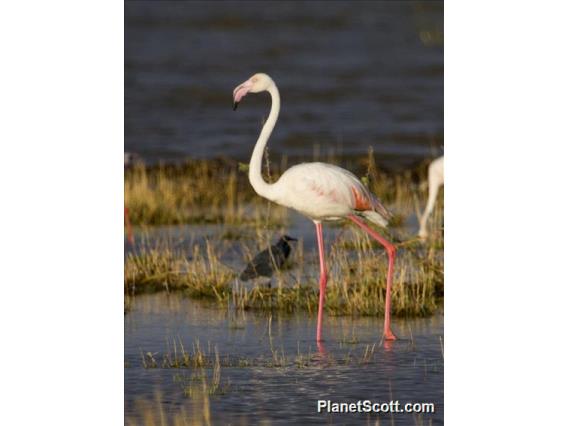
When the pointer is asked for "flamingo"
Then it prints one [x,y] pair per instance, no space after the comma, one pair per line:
[435,180]
[129,234]
[128,160]
[320,191]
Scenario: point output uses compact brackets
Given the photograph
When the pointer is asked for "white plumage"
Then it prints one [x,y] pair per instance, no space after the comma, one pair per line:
[325,192]
[435,180]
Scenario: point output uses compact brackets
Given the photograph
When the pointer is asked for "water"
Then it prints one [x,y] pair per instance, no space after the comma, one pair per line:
[408,370]
[350,77]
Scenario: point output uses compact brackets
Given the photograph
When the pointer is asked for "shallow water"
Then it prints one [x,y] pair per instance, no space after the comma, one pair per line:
[350,77]
[408,370]
[294,224]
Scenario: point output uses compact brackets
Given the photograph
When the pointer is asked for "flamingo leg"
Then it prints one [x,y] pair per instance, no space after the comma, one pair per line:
[433,187]
[323,279]
[391,251]
[129,235]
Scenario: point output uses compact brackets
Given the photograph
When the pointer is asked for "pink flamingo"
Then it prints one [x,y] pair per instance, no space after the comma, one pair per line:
[128,160]
[320,191]
[129,234]
[435,180]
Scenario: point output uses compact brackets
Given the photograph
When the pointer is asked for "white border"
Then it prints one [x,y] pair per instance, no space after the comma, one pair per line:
[505,218]
[61,245]
[61,100]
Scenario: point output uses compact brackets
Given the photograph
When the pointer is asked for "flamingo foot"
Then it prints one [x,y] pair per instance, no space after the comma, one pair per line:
[389,335]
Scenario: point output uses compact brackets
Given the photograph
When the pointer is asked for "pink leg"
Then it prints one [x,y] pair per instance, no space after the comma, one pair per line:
[391,251]
[129,235]
[323,279]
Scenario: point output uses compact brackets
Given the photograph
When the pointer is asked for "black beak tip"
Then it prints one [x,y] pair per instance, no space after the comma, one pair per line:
[235,105]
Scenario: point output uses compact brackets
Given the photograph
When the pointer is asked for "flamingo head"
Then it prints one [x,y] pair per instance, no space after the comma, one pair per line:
[257,83]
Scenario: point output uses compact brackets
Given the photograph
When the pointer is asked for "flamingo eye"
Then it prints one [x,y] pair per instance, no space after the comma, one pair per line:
[254,79]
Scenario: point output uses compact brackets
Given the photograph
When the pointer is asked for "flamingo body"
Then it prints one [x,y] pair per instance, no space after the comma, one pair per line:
[435,180]
[325,192]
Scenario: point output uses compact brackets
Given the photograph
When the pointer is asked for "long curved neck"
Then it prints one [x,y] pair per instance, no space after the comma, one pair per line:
[255,167]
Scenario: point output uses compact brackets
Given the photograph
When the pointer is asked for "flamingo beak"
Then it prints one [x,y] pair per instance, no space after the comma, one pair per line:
[240,92]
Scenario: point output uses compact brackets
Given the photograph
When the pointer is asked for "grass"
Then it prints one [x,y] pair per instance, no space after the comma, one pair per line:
[199,384]
[198,191]
[218,191]
[199,359]
[201,276]
[356,285]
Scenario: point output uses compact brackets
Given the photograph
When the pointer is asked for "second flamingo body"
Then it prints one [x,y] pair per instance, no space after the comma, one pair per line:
[435,180]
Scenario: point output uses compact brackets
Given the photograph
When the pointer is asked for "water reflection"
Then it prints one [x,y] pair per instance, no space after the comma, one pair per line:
[271,367]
